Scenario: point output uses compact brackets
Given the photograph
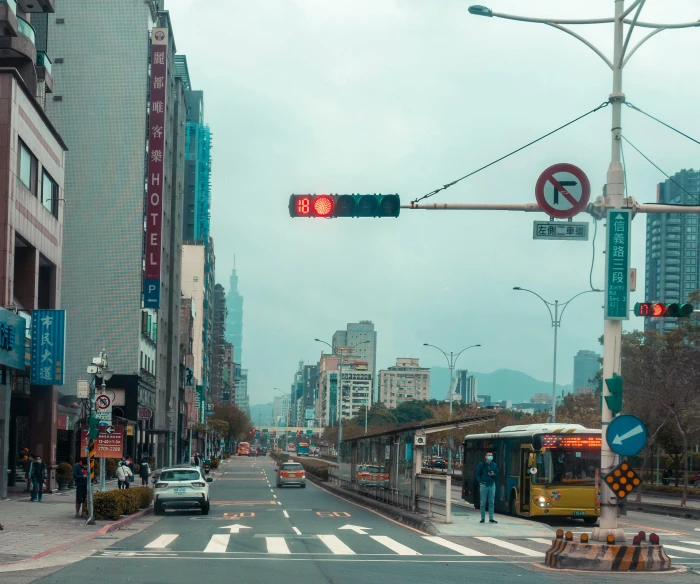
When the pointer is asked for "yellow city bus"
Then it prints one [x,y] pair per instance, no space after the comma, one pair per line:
[544,470]
[243,449]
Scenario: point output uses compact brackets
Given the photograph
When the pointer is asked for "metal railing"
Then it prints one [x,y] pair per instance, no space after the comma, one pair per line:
[434,495]
[387,495]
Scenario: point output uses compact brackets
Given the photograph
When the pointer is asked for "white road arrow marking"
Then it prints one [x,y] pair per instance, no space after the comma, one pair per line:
[235,528]
[356,529]
[633,432]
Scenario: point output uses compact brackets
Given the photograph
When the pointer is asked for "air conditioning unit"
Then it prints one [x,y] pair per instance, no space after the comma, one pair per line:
[419,440]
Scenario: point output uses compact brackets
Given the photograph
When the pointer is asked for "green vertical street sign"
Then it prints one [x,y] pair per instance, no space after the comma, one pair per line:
[617,264]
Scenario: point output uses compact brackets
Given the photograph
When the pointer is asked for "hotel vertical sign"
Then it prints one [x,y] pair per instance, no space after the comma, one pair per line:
[156,167]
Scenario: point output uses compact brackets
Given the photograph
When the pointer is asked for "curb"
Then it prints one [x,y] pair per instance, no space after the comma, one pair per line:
[670,510]
[113,526]
[399,515]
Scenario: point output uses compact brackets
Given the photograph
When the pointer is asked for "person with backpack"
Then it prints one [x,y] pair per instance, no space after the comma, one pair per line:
[144,472]
[37,474]
[486,476]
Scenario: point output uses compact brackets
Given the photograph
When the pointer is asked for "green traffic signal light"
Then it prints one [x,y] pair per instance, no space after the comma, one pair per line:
[94,428]
[333,206]
[614,400]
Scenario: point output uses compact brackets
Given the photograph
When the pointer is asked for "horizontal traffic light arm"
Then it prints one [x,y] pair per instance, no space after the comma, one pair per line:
[663,310]
[332,206]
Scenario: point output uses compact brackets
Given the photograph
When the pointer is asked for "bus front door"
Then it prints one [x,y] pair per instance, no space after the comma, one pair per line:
[525,480]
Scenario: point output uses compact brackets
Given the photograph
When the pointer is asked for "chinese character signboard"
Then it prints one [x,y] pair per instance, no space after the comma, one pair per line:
[48,344]
[617,265]
[108,444]
[156,167]
[12,331]
[561,230]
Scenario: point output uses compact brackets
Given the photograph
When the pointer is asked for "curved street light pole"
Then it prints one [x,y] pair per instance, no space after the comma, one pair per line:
[555,318]
[451,362]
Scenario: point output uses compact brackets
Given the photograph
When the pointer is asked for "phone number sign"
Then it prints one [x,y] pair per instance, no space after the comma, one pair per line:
[107,444]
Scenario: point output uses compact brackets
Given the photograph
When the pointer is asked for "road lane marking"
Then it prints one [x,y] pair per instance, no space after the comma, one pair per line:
[681,549]
[217,544]
[691,542]
[286,514]
[275,496]
[277,545]
[394,545]
[163,541]
[450,545]
[296,531]
[541,540]
[512,547]
[336,546]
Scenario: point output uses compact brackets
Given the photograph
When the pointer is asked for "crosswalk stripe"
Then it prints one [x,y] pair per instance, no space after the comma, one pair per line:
[162,541]
[394,545]
[336,546]
[277,545]
[217,544]
[692,542]
[455,547]
[512,547]
[679,548]
[541,540]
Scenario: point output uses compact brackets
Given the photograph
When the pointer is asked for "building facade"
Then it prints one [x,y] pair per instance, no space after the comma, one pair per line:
[465,387]
[228,395]
[281,410]
[405,381]
[308,403]
[362,337]
[218,343]
[672,260]
[586,367]
[241,384]
[33,156]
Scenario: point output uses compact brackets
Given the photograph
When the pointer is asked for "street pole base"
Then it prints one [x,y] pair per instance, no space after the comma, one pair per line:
[90,520]
[600,534]
[597,557]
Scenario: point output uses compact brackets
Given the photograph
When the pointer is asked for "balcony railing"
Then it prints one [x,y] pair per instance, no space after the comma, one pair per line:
[26,29]
[42,59]
[11,3]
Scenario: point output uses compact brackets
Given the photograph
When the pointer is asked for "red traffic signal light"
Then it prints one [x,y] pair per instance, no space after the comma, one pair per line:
[661,310]
[332,206]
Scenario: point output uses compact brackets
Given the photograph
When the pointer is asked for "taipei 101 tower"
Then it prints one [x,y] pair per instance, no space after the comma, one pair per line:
[234,318]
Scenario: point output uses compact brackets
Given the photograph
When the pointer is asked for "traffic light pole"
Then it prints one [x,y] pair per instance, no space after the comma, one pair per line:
[90,492]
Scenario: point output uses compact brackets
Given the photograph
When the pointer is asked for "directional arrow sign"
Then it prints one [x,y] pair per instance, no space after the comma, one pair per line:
[110,430]
[626,435]
[234,528]
[356,529]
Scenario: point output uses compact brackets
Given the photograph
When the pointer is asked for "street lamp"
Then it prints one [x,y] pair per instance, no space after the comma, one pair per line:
[614,193]
[555,318]
[340,395]
[451,362]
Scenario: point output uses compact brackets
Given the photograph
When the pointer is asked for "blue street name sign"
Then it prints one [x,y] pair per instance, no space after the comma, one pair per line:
[626,435]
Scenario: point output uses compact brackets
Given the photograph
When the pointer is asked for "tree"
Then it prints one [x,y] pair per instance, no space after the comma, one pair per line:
[581,409]
[239,424]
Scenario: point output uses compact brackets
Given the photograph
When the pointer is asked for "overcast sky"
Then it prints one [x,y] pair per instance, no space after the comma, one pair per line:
[402,96]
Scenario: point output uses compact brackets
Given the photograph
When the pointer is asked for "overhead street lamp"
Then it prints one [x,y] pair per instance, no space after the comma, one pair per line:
[614,193]
[451,362]
[555,318]
[339,407]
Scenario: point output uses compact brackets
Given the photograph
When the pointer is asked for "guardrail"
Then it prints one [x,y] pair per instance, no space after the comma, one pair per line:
[434,495]
[383,494]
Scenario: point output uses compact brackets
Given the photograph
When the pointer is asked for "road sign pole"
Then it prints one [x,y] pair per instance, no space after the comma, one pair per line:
[90,495]
[103,486]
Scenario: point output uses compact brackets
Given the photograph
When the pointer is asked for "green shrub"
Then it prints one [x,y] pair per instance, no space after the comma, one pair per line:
[130,500]
[64,471]
[215,463]
[145,495]
[669,489]
[108,505]
[317,468]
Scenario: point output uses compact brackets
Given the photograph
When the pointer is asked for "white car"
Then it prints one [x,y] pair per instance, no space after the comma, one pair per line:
[181,486]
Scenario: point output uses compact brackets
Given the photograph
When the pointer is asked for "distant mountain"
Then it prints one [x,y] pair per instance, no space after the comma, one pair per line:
[503,384]
[262,414]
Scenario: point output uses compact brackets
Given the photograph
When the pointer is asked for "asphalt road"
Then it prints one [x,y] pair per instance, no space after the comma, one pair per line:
[257,533]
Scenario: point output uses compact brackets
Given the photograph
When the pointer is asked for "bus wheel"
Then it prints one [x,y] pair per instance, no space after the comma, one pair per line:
[512,505]
[590,520]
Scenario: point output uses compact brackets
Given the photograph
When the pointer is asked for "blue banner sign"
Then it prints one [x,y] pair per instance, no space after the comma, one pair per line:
[12,332]
[48,346]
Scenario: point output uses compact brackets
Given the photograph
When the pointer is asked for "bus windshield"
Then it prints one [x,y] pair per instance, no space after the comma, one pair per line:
[564,467]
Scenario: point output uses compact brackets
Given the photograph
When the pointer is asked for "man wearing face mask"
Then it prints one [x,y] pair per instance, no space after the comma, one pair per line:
[486,476]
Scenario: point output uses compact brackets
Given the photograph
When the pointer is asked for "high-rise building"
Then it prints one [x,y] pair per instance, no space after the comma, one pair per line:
[586,367]
[362,336]
[465,387]
[296,394]
[33,158]
[310,382]
[229,391]
[125,127]
[281,410]
[672,260]
[241,384]
[234,317]
[327,392]
[405,381]
[196,217]
[218,342]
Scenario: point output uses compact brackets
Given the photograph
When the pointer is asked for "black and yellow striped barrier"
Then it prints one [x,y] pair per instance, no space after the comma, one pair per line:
[91,448]
[573,555]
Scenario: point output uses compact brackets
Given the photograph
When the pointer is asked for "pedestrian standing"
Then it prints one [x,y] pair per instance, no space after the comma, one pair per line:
[486,475]
[37,474]
[80,473]
[28,472]
[123,475]
[667,476]
[196,459]
[144,472]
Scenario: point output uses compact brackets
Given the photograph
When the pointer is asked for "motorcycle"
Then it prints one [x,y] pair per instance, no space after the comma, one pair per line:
[207,466]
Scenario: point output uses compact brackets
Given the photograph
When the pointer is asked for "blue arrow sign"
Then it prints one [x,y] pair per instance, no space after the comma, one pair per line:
[626,435]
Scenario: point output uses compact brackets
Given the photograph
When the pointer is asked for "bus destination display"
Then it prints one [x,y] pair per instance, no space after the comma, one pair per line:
[571,441]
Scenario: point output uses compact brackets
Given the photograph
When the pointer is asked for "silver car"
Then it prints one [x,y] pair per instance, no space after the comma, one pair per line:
[291,473]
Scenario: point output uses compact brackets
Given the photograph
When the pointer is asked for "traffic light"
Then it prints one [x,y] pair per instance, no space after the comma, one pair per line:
[661,310]
[332,206]
[94,428]
[614,401]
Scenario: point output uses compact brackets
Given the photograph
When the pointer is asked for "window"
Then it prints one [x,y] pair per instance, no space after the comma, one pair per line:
[49,194]
[27,167]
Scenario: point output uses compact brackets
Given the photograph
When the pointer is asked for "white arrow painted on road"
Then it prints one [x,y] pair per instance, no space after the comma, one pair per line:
[356,529]
[633,432]
[235,528]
